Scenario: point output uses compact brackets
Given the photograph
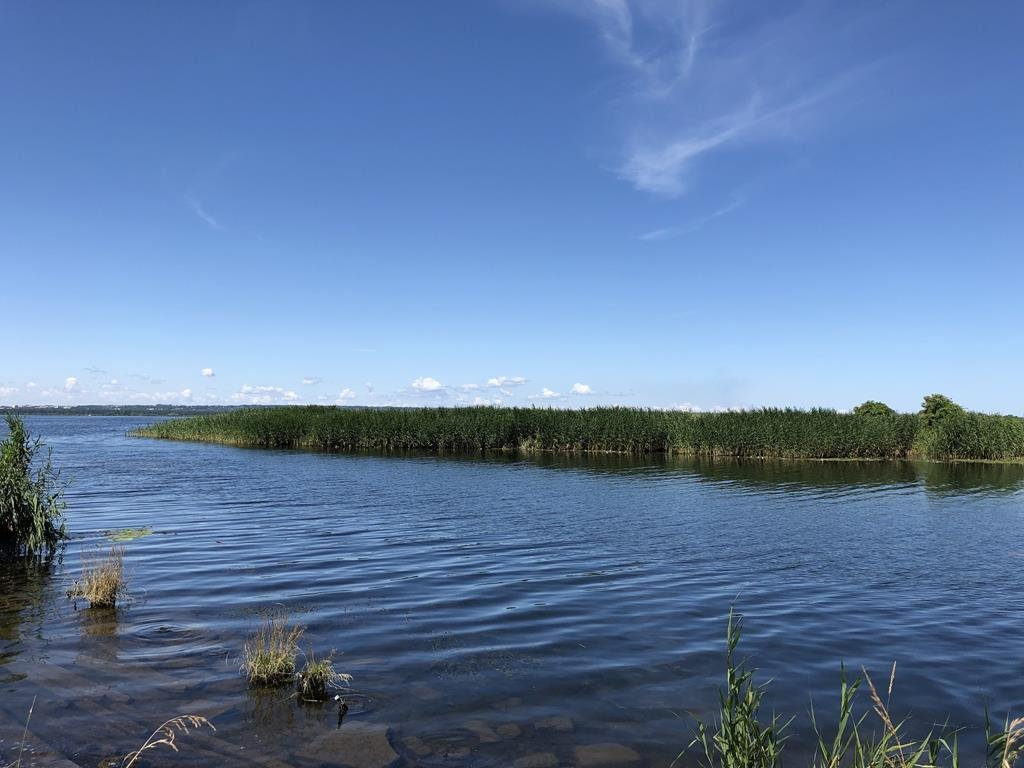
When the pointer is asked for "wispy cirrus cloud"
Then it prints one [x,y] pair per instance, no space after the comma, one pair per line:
[701,77]
[667,233]
[198,210]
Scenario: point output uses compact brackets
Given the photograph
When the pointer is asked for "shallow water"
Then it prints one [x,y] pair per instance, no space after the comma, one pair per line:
[581,600]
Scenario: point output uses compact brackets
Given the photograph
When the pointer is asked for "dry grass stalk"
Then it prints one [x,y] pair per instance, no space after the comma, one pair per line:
[270,652]
[166,736]
[103,580]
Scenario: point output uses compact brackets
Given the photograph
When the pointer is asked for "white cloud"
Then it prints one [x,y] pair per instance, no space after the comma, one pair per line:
[469,387]
[369,387]
[71,384]
[427,384]
[309,380]
[686,407]
[506,381]
[207,372]
[8,391]
[345,395]
[581,389]
[487,400]
[262,394]
[545,394]
[186,393]
[31,385]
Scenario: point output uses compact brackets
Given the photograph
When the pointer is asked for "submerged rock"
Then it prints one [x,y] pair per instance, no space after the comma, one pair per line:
[558,723]
[482,731]
[508,730]
[537,760]
[354,745]
[605,755]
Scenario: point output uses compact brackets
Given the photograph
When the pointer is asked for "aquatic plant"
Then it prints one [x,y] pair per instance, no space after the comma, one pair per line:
[103,580]
[31,501]
[128,534]
[269,656]
[317,677]
[763,433]
[738,738]
[166,735]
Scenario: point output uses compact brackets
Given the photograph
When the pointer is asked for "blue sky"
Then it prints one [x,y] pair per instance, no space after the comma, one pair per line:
[557,202]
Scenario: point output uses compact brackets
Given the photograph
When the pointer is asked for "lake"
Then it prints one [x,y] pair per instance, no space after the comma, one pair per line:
[502,609]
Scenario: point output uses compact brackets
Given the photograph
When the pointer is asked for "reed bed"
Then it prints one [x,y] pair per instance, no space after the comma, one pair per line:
[764,433]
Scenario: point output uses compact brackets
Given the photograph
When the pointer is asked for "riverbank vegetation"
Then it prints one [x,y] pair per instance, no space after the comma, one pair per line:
[861,739]
[31,495]
[942,430]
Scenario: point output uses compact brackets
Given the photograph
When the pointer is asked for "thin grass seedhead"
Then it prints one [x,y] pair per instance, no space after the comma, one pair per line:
[269,657]
[1005,747]
[104,581]
[166,736]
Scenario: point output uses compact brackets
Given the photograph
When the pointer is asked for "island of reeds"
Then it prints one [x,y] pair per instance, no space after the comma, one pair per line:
[941,431]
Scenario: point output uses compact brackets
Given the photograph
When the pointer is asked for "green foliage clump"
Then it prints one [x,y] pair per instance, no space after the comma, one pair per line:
[936,409]
[31,495]
[873,408]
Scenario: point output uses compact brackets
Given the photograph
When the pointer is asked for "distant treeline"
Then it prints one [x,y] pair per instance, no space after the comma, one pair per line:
[942,430]
[114,410]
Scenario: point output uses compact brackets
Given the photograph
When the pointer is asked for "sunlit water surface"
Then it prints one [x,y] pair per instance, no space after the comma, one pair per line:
[491,609]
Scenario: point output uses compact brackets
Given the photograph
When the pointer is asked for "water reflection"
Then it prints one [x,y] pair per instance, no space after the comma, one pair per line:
[25,592]
[790,474]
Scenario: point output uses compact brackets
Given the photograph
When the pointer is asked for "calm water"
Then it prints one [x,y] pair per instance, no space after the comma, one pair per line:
[491,609]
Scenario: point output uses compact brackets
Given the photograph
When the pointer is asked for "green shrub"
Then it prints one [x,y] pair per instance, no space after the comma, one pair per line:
[873,408]
[31,500]
[937,408]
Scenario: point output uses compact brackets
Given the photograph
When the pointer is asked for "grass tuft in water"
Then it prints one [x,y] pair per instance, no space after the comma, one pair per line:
[269,657]
[738,738]
[318,677]
[103,580]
